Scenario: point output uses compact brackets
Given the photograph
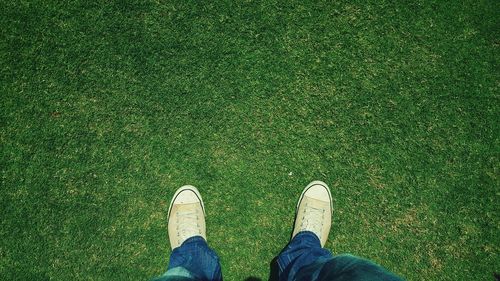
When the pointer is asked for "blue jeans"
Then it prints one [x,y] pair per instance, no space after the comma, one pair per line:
[302,259]
[193,260]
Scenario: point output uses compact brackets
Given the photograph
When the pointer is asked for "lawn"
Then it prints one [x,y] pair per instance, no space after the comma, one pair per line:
[107,107]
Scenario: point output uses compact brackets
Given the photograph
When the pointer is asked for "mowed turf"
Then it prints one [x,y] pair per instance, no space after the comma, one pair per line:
[107,107]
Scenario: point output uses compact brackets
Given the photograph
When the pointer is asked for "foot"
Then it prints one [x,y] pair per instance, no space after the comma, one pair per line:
[186,216]
[314,211]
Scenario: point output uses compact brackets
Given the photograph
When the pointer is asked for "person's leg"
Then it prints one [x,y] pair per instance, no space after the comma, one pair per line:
[191,258]
[304,258]
[311,228]
[303,250]
[345,268]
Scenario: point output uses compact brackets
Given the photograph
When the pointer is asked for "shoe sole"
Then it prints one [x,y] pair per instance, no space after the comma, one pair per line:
[181,189]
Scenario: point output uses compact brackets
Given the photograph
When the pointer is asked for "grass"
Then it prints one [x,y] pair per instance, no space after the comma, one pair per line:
[107,107]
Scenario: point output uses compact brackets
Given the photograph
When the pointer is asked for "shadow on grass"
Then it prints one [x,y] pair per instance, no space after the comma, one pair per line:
[273,275]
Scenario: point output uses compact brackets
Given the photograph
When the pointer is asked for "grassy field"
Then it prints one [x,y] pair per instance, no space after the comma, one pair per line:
[107,107]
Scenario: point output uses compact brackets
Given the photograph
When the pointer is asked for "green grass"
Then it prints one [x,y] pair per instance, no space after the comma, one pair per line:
[108,107]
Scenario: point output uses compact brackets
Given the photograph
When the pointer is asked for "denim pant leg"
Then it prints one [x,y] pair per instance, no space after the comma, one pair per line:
[304,249]
[304,259]
[345,268]
[193,260]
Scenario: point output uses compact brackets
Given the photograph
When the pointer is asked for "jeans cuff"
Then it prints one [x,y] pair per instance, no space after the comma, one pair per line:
[308,236]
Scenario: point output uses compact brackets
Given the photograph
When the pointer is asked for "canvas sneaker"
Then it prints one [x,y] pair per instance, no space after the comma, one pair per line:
[186,216]
[314,211]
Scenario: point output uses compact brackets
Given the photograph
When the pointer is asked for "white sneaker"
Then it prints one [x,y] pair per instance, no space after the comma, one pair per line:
[186,216]
[314,211]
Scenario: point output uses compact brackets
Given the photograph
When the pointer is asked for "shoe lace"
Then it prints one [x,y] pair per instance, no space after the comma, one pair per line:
[187,224]
[313,219]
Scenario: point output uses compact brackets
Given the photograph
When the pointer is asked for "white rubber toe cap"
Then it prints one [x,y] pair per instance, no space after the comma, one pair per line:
[318,192]
[186,196]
